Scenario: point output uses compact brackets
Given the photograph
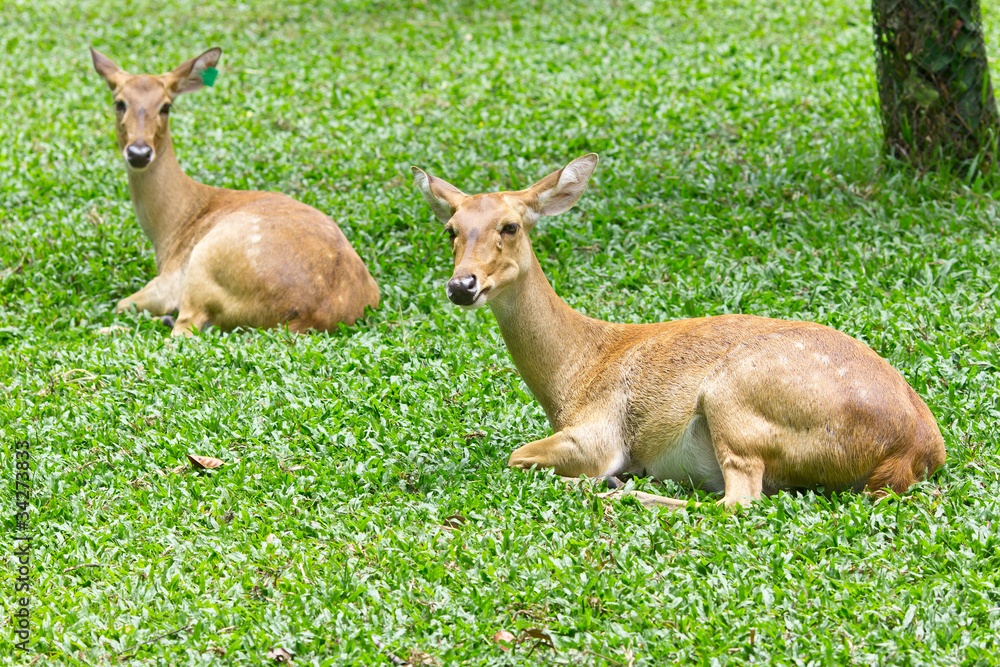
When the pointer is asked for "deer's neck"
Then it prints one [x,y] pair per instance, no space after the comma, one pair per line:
[552,345]
[166,201]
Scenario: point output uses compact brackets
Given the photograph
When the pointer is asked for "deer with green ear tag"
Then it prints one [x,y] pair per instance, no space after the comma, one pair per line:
[225,258]
[734,404]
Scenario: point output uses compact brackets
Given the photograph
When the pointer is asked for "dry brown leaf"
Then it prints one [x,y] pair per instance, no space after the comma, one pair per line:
[503,637]
[542,636]
[454,521]
[217,650]
[279,654]
[206,462]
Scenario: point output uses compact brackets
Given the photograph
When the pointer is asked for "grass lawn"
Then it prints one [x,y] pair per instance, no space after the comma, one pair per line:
[365,509]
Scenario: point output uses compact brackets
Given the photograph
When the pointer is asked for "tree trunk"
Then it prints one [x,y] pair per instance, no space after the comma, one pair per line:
[934,84]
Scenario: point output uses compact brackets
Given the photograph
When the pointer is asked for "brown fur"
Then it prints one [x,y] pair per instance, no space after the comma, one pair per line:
[228,258]
[735,403]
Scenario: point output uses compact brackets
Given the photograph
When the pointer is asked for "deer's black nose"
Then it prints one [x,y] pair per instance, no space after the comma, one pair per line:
[462,291]
[139,155]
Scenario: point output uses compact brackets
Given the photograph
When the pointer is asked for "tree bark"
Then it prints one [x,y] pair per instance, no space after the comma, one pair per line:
[934,84]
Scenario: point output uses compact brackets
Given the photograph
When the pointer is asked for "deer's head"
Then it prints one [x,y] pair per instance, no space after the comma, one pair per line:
[142,103]
[489,232]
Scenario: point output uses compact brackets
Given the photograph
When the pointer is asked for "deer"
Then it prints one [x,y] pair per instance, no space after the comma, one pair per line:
[738,405]
[225,258]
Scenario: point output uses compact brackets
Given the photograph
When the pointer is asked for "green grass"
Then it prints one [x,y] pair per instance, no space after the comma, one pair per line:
[739,173]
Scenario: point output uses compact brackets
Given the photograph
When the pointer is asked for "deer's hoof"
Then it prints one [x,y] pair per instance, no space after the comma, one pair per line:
[613,482]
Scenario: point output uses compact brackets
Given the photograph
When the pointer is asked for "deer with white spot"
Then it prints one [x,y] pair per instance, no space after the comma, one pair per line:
[734,404]
[225,258]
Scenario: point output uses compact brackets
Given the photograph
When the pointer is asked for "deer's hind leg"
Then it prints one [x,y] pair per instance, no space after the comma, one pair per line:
[201,303]
[740,438]
[215,293]
[744,479]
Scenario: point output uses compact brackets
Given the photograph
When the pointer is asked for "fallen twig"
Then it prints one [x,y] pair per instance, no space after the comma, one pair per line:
[86,465]
[77,567]
[6,273]
[393,658]
[150,641]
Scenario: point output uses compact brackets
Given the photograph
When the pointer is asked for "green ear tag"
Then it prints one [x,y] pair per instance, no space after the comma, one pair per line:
[209,75]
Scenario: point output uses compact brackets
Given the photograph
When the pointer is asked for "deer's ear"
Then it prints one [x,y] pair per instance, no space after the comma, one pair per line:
[443,197]
[193,74]
[112,74]
[557,192]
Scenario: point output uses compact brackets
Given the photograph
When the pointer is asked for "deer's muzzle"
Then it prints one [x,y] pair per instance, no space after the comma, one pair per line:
[463,291]
[139,155]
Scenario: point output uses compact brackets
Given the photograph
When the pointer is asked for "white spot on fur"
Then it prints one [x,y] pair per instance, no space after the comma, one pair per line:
[799,344]
[253,250]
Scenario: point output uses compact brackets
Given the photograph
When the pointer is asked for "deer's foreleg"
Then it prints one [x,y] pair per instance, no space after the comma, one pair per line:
[574,451]
[158,297]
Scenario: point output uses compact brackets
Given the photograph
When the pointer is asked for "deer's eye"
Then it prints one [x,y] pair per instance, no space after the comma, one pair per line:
[120,106]
[509,229]
[165,109]
[452,234]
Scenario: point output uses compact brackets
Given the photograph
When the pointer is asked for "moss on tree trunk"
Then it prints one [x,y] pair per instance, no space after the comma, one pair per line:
[934,83]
